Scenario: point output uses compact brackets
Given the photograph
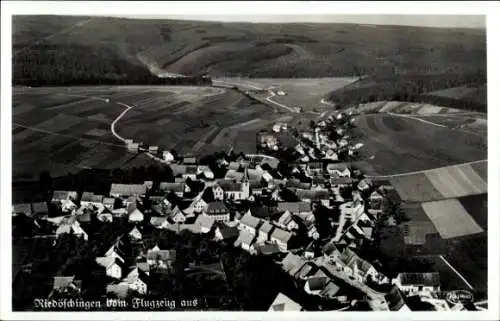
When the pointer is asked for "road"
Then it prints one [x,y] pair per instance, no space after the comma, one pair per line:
[454,270]
[425,170]
[417,119]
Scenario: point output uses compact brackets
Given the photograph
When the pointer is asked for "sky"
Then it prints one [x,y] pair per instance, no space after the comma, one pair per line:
[440,21]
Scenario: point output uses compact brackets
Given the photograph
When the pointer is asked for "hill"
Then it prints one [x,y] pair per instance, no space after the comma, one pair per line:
[115,48]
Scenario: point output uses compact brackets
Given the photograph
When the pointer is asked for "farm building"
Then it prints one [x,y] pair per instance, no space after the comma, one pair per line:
[418,283]
[126,190]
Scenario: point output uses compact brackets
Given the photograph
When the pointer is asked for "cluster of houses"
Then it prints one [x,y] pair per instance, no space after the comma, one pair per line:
[251,208]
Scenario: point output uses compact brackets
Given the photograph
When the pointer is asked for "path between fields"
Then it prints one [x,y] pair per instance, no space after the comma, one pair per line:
[460,275]
[417,119]
[425,170]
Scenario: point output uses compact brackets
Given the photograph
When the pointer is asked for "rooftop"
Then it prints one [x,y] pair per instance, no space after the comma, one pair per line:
[281,235]
[294,207]
[250,221]
[128,189]
[422,279]
[217,207]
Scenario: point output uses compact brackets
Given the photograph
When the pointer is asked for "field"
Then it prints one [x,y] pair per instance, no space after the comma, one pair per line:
[70,128]
[451,218]
[300,92]
[401,145]
[441,183]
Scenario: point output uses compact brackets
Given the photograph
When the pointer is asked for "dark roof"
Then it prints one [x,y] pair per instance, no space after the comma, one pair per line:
[329,248]
[315,165]
[342,180]
[423,279]
[191,169]
[24,208]
[317,283]
[228,232]
[40,207]
[64,195]
[228,185]
[312,194]
[294,207]
[263,211]
[163,255]
[216,208]
[394,299]
[295,183]
[91,197]
[267,248]
[174,187]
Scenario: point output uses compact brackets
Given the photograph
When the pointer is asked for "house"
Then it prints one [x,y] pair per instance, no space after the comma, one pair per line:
[109,203]
[105,216]
[264,212]
[177,188]
[137,281]
[65,284]
[199,205]
[135,216]
[291,263]
[217,211]
[126,190]
[395,300]
[153,149]
[295,207]
[148,184]
[205,171]
[167,156]
[236,191]
[281,237]
[205,223]
[418,283]
[218,192]
[330,290]
[358,268]
[312,231]
[312,194]
[163,259]
[315,285]
[177,215]
[112,266]
[191,172]
[287,221]
[40,209]
[135,234]
[284,303]
[336,170]
[264,232]
[267,248]
[65,199]
[225,233]
[89,198]
[337,182]
[364,184]
[120,290]
[297,184]
[23,208]
[246,241]
[314,169]
[249,223]
[189,160]
[70,225]
[375,200]
[159,222]
[178,170]
[118,250]
[352,210]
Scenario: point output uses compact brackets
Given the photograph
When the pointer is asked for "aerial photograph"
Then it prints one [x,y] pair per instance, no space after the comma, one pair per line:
[235,164]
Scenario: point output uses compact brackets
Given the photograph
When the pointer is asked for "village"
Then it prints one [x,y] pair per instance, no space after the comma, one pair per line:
[311,215]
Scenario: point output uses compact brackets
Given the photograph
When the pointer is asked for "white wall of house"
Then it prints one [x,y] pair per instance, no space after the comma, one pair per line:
[114,271]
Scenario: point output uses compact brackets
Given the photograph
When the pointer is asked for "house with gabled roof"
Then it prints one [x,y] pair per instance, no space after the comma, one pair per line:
[225,233]
[295,207]
[22,208]
[375,200]
[217,211]
[246,240]
[353,265]
[338,170]
[137,280]
[70,225]
[112,265]
[109,203]
[177,188]
[364,184]
[287,221]
[89,198]
[162,259]
[135,216]
[126,190]
[267,248]
[177,215]
[284,303]
[264,231]
[65,199]
[159,222]
[249,223]
[135,234]
[218,192]
[281,237]
[418,283]
[65,284]
[205,223]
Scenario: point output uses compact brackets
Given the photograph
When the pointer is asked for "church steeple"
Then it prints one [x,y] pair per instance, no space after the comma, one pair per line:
[245,178]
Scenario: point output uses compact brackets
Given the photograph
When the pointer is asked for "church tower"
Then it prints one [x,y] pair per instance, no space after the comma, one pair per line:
[245,186]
